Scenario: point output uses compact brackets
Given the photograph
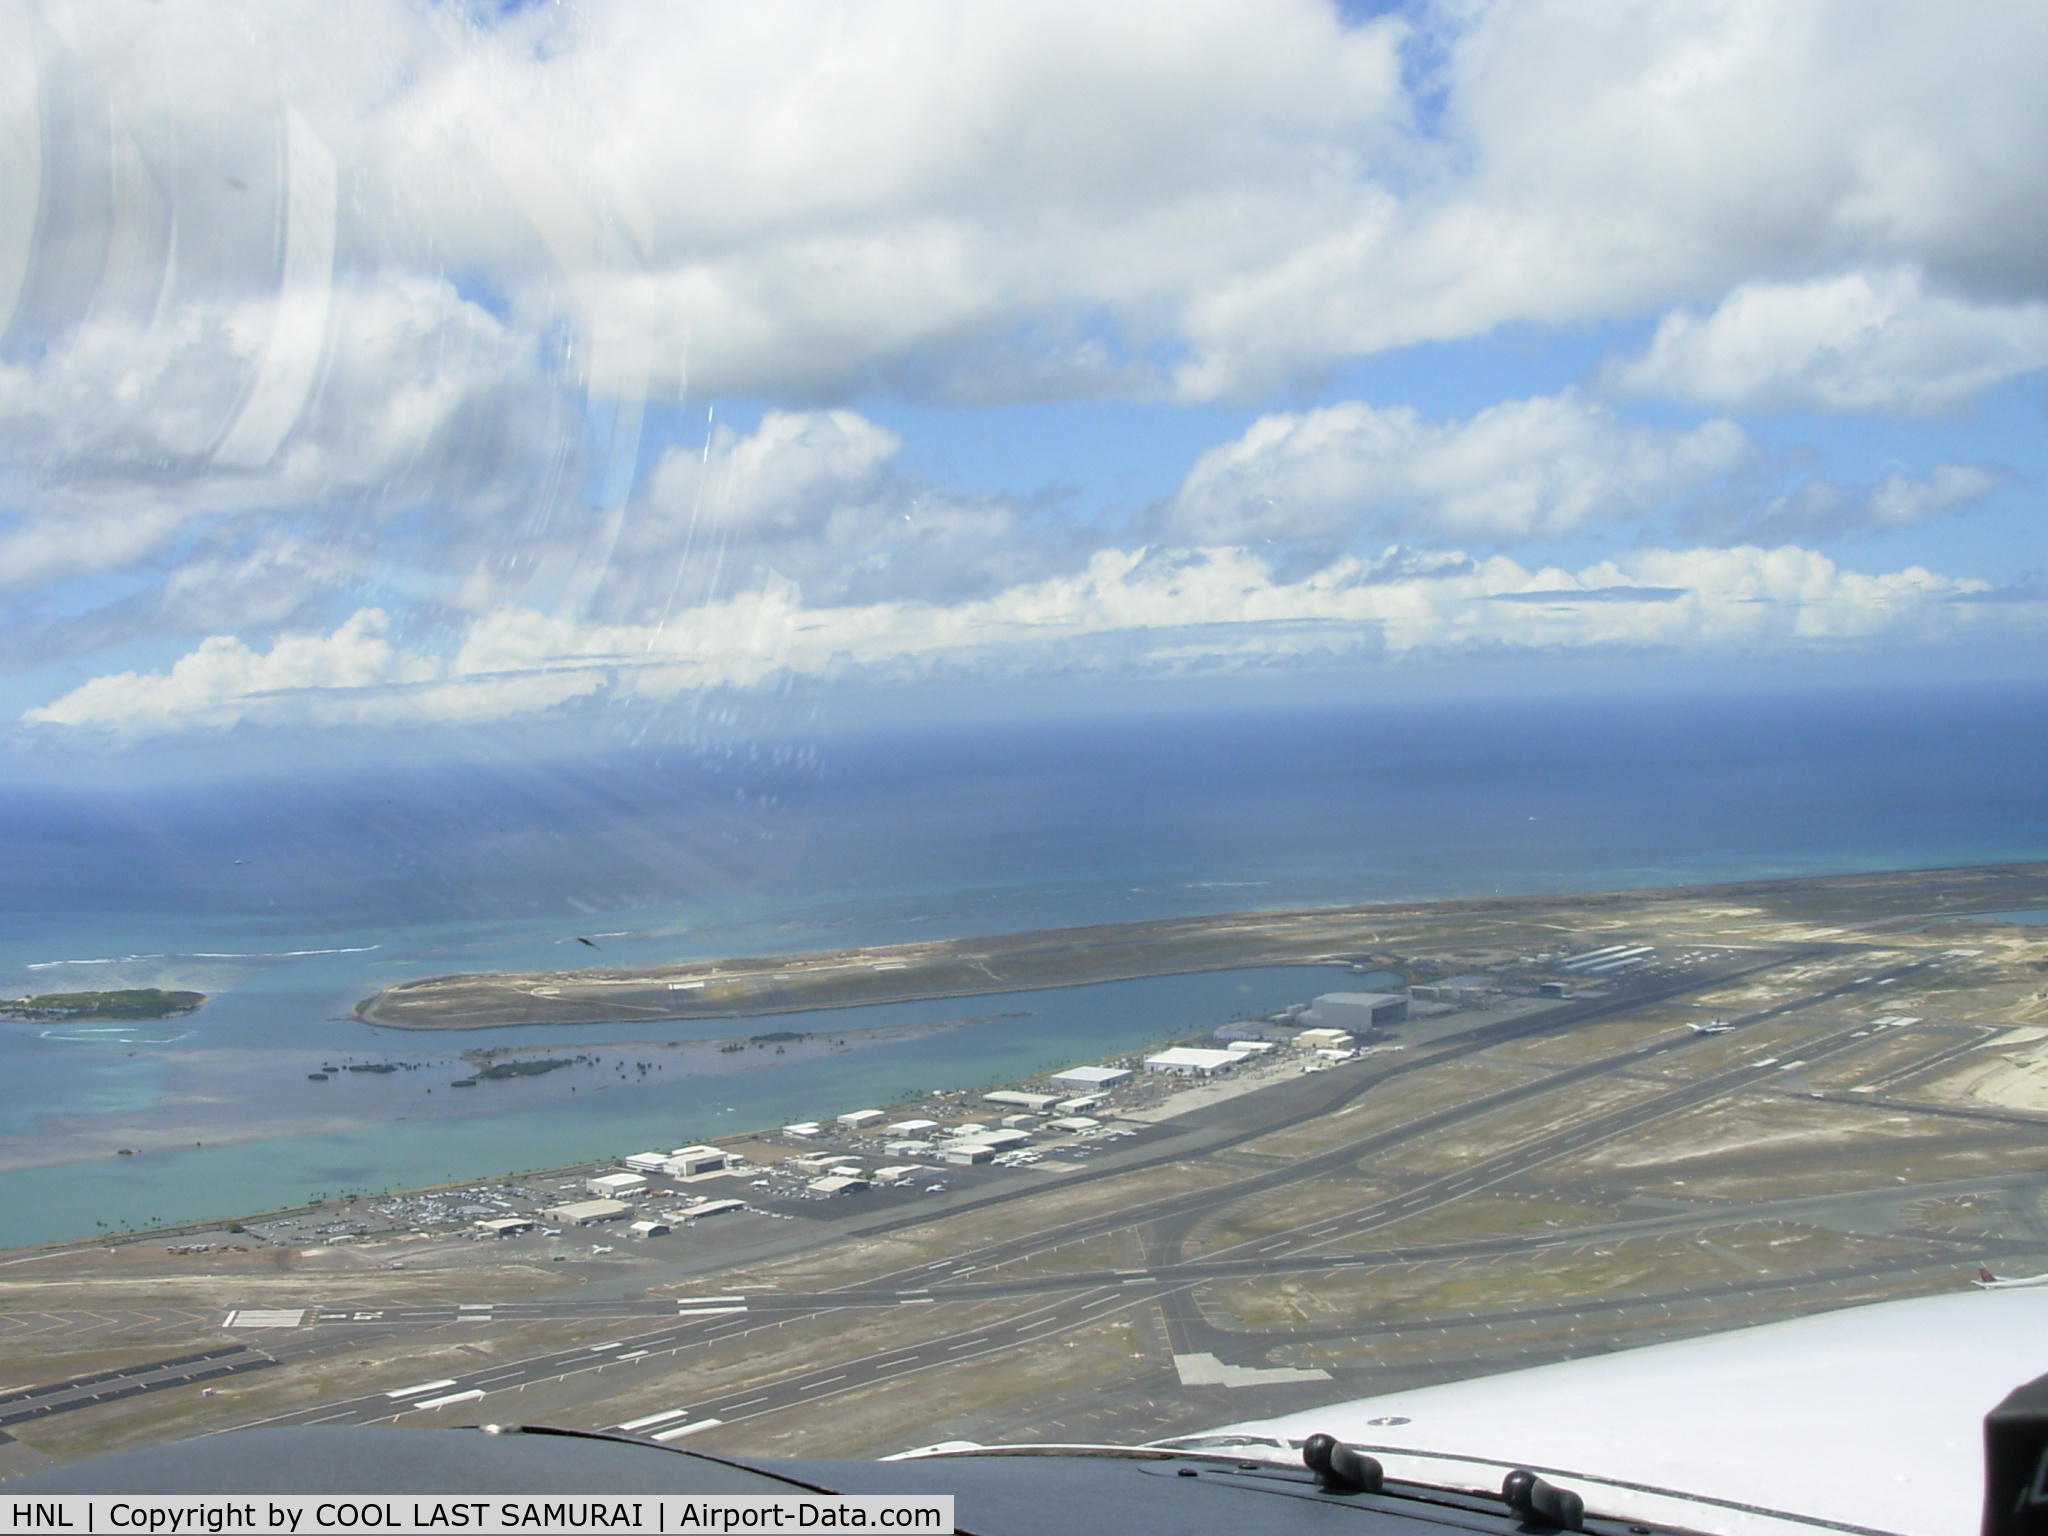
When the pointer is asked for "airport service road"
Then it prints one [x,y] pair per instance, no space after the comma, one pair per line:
[19,1407]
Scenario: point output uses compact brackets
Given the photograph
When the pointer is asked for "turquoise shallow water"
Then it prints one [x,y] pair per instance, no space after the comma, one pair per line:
[1049,1028]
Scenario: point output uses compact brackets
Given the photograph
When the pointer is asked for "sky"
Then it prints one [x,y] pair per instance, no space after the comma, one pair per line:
[375,371]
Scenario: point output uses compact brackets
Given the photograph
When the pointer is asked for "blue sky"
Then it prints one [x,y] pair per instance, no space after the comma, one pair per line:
[444,369]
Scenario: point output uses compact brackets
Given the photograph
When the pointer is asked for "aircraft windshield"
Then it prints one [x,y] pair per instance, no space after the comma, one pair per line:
[1233,707]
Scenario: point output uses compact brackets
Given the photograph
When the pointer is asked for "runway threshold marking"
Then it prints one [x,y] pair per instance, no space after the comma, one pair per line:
[452,1398]
[687,1429]
[653,1418]
[425,1386]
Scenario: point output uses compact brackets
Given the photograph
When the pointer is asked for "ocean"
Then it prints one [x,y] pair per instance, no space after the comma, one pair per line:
[288,897]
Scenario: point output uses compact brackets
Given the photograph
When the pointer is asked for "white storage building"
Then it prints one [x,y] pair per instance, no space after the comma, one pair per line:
[1190,1061]
[609,1186]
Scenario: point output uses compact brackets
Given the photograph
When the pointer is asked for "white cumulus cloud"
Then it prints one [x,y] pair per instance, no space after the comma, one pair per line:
[224,679]
[782,479]
[1519,470]
[1861,341]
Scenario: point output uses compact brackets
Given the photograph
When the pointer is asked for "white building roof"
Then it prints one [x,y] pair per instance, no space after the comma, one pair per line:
[1092,1077]
[1184,1058]
[996,1141]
